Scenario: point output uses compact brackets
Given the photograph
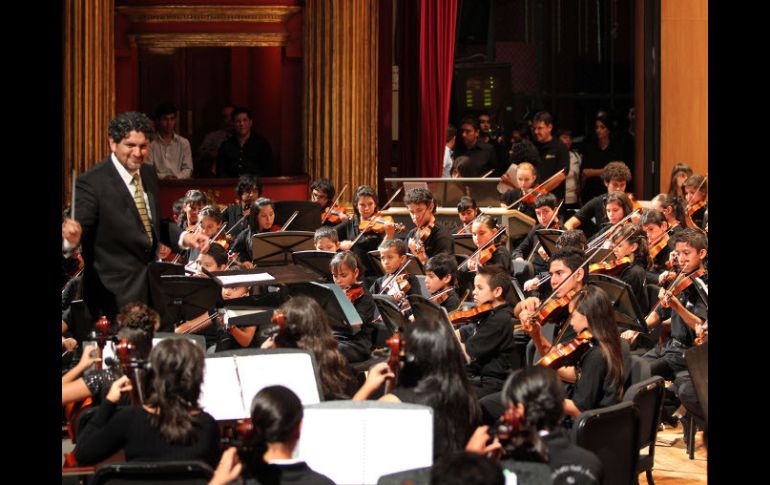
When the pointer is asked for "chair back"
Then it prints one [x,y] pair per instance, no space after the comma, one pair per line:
[181,472]
[612,433]
[698,365]
[647,396]
[640,371]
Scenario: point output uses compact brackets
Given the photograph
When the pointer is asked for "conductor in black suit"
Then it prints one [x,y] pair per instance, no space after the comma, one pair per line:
[117,207]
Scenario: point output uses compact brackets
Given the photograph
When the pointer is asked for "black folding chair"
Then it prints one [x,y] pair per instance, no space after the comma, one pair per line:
[647,396]
[181,472]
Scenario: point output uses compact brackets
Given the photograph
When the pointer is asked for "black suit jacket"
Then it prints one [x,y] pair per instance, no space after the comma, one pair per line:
[115,247]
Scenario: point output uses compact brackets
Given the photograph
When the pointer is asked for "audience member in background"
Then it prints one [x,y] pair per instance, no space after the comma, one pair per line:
[207,154]
[245,152]
[596,156]
[170,153]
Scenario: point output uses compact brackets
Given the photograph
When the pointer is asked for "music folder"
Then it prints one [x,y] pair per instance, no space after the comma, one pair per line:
[274,248]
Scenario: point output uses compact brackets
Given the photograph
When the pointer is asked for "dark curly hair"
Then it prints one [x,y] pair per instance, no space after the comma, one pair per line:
[125,123]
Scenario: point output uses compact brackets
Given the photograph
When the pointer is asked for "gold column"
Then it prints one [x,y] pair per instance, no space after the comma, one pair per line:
[88,85]
[340,102]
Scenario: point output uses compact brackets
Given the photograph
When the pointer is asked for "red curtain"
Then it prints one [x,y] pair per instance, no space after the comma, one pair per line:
[425,55]
[438,19]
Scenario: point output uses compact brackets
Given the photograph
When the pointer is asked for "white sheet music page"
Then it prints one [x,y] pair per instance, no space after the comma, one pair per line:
[244,279]
[220,391]
[294,370]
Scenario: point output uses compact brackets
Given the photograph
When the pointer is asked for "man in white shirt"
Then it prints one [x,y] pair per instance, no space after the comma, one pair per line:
[170,153]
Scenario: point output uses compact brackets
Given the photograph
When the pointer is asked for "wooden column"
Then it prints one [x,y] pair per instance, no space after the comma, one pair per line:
[340,103]
[684,86]
[89,77]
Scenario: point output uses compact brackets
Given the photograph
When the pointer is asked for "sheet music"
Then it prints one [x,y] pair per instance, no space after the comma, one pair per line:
[220,391]
[294,371]
[348,444]
[244,279]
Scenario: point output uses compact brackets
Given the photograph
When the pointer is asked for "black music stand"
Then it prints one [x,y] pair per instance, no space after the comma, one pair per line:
[318,261]
[275,248]
[308,219]
[464,244]
[155,271]
[628,314]
[426,309]
[516,294]
[548,238]
[80,323]
[187,297]
[337,306]
[391,315]
[414,267]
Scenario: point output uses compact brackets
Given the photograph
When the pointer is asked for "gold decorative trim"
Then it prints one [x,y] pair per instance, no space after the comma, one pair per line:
[227,39]
[201,13]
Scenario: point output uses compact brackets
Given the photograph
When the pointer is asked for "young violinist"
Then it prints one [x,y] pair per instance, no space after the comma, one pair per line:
[467,210]
[686,309]
[526,174]
[427,239]
[573,238]
[545,206]
[261,219]
[631,260]
[432,373]
[326,239]
[193,201]
[393,256]
[617,206]
[696,195]
[488,342]
[679,174]
[672,209]
[484,228]
[441,275]
[347,273]
[210,224]
[659,239]
[249,190]
[563,264]
[615,176]
[215,259]
[322,192]
[365,206]
[600,372]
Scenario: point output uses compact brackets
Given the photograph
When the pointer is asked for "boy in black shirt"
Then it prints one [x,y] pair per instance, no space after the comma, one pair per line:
[661,244]
[248,190]
[545,205]
[615,176]
[488,343]
[696,193]
[440,275]
[393,256]
[422,207]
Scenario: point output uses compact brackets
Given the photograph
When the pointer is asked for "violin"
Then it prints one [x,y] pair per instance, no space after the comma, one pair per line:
[239,436]
[563,354]
[420,236]
[552,308]
[680,283]
[397,354]
[611,267]
[397,287]
[692,209]
[333,214]
[378,222]
[133,367]
[634,203]
[656,248]
[279,324]
[460,317]
[355,292]
[548,185]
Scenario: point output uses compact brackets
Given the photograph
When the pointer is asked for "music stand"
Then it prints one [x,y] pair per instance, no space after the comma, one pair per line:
[426,309]
[548,238]
[337,306]
[318,261]
[519,225]
[464,244]
[308,219]
[275,248]
[159,300]
[187,297]
[628,314]
[449,191]
[414,267]
[273,275]
[80,323]
[391,315]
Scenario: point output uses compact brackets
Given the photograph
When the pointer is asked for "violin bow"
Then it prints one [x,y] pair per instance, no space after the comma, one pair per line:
[483,247]
[462,229]
[289,221]
[538,186]
[440,293]
[395,275]
[599,240]
[462,300]
[537,244]
[179,254]
[488,174]
[236,224]
[329,209]
[224,224]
